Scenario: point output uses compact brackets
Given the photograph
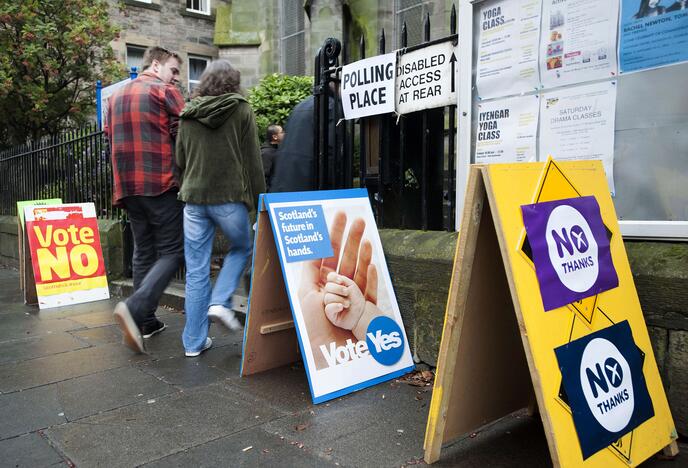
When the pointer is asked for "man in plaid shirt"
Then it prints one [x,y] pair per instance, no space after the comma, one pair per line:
[142,125]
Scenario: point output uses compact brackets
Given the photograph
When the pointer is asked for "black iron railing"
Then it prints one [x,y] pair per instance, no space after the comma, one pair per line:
[406,162]
[74,166]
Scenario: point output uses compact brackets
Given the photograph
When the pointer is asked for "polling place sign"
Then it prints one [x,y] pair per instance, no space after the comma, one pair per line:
[66,254]
[344,310]
[368,86]
[427,78]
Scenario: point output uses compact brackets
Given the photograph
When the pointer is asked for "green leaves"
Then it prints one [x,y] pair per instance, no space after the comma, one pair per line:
[51,54]
[275,96]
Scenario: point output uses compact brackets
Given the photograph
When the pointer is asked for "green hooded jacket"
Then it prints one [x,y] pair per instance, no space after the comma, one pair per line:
[218,153]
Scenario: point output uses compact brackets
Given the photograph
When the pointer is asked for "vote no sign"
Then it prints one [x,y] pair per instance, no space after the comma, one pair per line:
[66,254]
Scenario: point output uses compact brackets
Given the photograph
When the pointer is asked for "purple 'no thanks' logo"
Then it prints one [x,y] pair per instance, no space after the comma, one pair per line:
[570,250]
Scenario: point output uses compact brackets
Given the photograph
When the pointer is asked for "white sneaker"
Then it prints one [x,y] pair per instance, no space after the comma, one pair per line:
[221,314]
[206,346]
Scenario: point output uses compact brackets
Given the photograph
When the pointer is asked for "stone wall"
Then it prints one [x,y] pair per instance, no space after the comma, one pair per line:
[165,23]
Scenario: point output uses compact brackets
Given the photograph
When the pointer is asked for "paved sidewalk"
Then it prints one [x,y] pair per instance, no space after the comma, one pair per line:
[71,394]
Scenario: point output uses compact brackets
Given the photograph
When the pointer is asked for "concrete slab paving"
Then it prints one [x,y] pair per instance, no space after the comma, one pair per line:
[25,325]
[252,447]
[353,428]
[111,389]
[123,437]
[285,387]
[27,411]
[99,335]
[103,405]
[30,451]
[38,346]
[184,372]
[58,367]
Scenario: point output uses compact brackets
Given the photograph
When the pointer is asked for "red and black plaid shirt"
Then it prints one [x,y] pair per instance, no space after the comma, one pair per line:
[142,124]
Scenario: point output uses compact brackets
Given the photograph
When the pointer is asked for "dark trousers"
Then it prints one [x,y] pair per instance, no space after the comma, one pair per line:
[157,227]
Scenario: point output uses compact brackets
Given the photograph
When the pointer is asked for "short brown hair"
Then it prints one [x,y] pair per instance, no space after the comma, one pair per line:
[219,77]
[160,54]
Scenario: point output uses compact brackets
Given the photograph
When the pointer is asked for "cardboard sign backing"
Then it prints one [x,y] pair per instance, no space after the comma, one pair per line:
[27,283]
[498,342]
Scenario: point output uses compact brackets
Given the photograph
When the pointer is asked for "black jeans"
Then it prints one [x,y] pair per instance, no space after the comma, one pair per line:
[157,227]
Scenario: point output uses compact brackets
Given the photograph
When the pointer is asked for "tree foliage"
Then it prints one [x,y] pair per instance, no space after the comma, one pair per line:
[273,98]
[51,54]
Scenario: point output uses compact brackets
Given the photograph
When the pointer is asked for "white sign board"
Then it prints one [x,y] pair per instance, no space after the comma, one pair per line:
[508,48]
[578,123]
[507,130]
[105,95]
[427,78]
[368,86]
[347,318]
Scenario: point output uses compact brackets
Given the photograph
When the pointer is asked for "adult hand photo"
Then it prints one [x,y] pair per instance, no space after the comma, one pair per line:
[355,265]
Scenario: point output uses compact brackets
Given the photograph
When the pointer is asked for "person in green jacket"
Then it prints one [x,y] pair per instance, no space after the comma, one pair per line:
[221,176]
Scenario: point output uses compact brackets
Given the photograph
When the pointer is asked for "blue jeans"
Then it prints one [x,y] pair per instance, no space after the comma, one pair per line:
[200,222]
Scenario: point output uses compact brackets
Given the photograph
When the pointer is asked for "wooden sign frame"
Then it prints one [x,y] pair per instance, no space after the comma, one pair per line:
[270,339]
[487,366]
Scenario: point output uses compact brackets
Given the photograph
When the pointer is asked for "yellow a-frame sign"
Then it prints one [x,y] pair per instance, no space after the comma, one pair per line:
[497,353]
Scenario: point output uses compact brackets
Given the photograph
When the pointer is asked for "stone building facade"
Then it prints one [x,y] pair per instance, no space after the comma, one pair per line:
[185,26]
[270,36]
[267,36]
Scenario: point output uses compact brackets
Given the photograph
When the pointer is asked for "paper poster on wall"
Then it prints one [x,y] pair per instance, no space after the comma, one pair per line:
[652,33]
[508,48]
[578,41]
[578,123]
[507,130]
[368,86]
[66,254]
[349,326]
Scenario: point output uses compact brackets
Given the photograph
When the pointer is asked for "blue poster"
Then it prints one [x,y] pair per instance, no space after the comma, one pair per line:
[603,377]
[652,33]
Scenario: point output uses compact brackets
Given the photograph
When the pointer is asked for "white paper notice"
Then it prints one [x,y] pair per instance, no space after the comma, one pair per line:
[578,41]
[508,48]
[507,130]
[368,86]
[578,123]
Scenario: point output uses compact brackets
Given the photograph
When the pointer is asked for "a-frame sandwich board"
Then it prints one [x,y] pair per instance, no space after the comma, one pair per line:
[270,339]
[498,342]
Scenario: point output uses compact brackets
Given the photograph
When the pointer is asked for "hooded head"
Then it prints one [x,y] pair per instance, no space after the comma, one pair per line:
[216,96]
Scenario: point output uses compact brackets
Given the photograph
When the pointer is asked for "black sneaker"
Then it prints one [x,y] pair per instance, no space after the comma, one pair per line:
[150,330]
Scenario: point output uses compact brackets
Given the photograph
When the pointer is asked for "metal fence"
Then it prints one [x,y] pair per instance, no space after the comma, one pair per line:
[406,162]
[74,166]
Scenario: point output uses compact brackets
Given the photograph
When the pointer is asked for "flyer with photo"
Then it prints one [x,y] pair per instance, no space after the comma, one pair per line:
[578,41]
[652,33]
[347,318]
